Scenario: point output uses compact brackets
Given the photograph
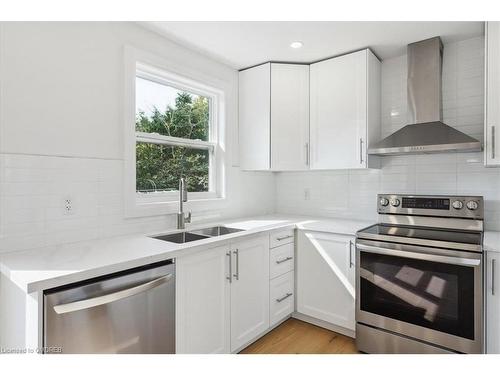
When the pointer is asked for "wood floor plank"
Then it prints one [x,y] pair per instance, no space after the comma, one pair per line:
[297,337]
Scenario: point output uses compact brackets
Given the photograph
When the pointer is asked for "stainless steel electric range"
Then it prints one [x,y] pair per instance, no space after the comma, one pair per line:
[419,276]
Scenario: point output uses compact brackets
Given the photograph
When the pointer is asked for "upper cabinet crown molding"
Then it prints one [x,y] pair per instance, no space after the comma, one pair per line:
[318,116]
[492,95]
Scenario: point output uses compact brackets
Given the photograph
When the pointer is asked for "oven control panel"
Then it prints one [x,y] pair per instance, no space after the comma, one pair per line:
[435,205]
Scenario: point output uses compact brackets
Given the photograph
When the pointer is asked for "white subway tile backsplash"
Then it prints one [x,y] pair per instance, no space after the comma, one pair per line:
[463,100]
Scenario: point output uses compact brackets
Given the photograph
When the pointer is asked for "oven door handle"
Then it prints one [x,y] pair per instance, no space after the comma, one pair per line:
[422,256]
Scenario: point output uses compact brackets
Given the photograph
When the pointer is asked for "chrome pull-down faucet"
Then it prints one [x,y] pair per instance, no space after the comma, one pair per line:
[182,219]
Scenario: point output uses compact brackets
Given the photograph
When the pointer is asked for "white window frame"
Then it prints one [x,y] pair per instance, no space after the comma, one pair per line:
[147,66]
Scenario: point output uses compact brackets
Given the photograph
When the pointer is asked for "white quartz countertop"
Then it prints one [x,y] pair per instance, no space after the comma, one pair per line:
[491,241]
[40,269]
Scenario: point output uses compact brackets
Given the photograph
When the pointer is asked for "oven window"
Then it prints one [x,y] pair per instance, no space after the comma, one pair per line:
[428,294]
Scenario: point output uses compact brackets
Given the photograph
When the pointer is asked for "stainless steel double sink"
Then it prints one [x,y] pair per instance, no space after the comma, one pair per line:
[198,234]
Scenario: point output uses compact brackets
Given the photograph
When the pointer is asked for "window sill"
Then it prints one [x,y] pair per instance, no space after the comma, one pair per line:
[143,209]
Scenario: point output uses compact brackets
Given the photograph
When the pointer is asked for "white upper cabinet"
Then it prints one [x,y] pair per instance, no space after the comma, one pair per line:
[254,117]
[289,117]
[345,111]
[492,95]
[274,117]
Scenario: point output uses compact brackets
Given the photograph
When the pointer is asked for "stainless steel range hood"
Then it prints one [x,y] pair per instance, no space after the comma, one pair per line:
[425,133]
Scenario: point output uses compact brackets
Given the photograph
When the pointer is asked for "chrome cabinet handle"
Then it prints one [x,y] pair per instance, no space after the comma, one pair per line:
[230,277]
[111,297]
[307,153]
[284,237]
[237,274]
[350,254]
[361,150]
[493,277]
[284,297]
[493,142]
[284,260]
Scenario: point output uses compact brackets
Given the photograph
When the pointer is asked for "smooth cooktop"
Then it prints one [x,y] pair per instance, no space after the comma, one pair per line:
[420,235]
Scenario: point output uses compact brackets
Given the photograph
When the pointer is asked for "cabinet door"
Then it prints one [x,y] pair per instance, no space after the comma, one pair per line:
[493,303]
[254,117]
[492,118]
[289,117]
[326,277]
[203,302]
[339,112]
[249,290]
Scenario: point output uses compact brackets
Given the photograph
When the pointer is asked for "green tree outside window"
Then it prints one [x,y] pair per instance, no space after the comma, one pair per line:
[159,167]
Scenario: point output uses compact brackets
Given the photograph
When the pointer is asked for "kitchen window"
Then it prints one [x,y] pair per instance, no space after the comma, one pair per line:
[176,127]
[172,137]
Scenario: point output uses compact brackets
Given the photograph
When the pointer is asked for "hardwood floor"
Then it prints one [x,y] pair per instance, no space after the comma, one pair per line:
[297,337]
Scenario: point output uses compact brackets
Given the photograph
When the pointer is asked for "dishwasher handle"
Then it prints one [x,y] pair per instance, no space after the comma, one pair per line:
[111,297]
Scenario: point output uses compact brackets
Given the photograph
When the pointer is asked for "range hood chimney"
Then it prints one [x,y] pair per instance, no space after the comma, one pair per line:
[425,133]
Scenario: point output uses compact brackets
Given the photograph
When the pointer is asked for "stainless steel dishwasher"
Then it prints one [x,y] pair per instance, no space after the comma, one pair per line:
[126,312]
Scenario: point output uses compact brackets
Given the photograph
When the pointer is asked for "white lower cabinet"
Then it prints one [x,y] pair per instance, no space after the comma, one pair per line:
[203,302]
[249,290]
[326,277]
[222,299]
[281,297]
[493,303]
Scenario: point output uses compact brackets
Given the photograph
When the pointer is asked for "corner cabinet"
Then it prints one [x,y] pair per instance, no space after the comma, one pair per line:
[326,278]
[492,95]
[274,117]
[345,111]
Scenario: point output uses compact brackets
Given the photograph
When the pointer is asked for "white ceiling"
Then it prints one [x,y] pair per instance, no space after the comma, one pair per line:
[243,44]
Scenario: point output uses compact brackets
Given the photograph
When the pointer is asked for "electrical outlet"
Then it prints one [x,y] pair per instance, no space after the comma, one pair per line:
[307,194]
[68,207]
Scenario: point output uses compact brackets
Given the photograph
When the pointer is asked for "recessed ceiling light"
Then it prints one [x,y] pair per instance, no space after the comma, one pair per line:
[296,44]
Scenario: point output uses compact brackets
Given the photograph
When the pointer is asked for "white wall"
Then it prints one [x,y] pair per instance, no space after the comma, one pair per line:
[61,109]
[352,193]
[61,133]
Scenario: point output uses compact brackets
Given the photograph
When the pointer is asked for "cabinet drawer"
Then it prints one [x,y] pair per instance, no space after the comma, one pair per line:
[281,260]
[282,237]
[281,297]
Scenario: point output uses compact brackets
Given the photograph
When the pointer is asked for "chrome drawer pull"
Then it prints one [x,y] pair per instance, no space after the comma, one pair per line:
[285,237]
[284,260]
[284,297]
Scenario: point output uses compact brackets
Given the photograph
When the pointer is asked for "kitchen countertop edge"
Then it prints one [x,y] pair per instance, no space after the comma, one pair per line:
[35,280]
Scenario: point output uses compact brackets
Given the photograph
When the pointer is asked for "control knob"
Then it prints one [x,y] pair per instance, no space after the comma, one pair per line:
[383,201]
[472,205]
[395,202]
[457,205]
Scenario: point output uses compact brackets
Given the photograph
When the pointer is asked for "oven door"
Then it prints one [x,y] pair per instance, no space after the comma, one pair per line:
[430,294]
